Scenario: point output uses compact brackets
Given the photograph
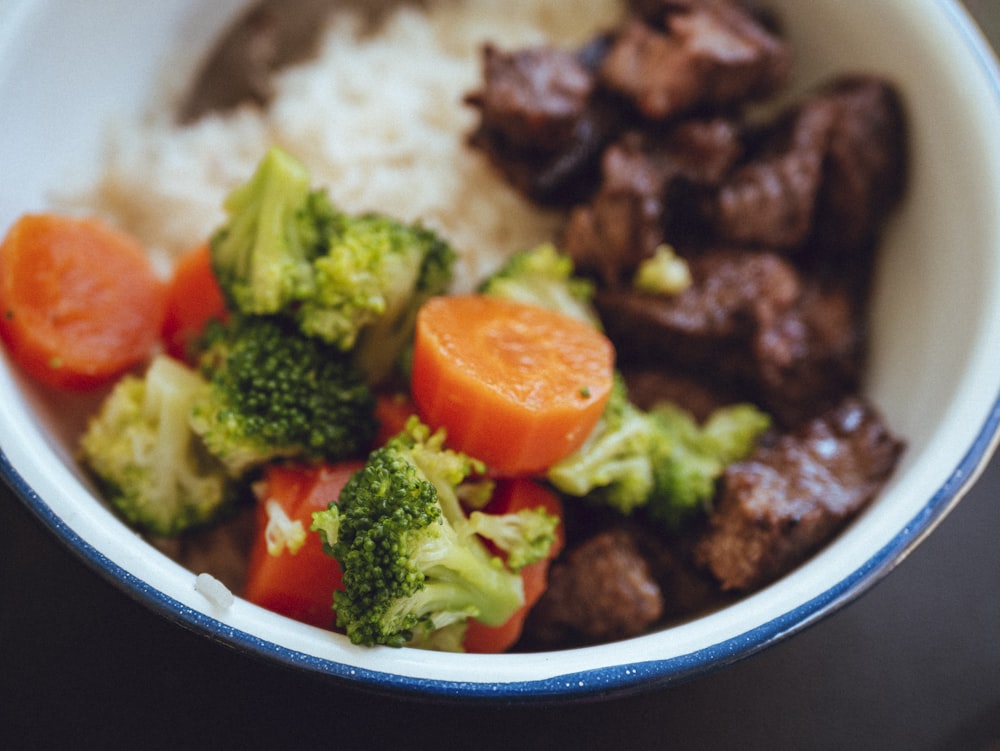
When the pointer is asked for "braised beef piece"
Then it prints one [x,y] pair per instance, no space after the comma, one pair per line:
[770,200]
[685,55]
[811,356]
[688,589]
[865,174]
[602,590]
[816,183]
[540,123]
[534,97]
[733,294]
[787,499]
[749,326]
[643,176]
[822,179]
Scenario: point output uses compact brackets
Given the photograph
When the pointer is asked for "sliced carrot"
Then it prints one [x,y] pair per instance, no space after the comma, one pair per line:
[80,301]
[515,385]
[193,299]
[297,584]
[511,496]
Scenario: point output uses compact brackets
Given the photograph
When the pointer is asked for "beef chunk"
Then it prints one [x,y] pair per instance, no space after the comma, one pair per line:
[811,356]
[866,170]
[624,222]
[540,123]
[602,590]
[786,500]
[770,201]
[750,326]
[533,97]
[821,179]
[733,295]
[688,589]
[643,178]
[693,54]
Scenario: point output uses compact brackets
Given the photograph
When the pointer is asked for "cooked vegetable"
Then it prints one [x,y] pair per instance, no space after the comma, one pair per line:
[80,301]
[614,466]
[516,385]
[277,225]
[355,282]
[543,276]
[193,300]
[414,571]
[689,458]
[660,460]
[524,536]
[374,276]
[288,571]
[514,497]
[664,273]
[152,467]
[275,393]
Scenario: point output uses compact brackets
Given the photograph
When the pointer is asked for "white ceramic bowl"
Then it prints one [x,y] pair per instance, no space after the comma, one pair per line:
[67,67]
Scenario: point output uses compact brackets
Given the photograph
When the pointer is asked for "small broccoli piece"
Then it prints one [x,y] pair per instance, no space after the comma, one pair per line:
[689,461]
[664,273]
[614,466]
[526,536]
[369,284]
[413,569]
[662,460]
[277,225]
[274,393]
[545,277]
[145,457]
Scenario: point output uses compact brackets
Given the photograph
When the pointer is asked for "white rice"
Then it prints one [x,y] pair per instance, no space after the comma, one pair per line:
[213,590]
[379,122]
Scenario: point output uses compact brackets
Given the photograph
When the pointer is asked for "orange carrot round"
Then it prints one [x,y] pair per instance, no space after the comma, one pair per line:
[299,585]
[80,301]
[193,299]
[515,385]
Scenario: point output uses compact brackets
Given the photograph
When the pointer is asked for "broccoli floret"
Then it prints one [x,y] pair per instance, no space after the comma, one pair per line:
[356,282]
[277,225]
[369,284]
[274,393]
[414,571]
[664,273]
[526,536]
[659,460]
[545,277]
[614,465]
[690,458]
[144,455]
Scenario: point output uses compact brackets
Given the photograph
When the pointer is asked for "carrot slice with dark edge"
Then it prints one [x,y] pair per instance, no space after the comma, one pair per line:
[515,385]
[81,303]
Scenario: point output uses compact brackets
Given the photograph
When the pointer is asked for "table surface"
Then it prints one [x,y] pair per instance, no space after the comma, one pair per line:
[914,664]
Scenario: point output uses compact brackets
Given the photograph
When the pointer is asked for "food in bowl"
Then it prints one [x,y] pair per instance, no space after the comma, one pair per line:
[744,302]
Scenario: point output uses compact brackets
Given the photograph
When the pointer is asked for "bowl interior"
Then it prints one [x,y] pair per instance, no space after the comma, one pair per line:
[933,370]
